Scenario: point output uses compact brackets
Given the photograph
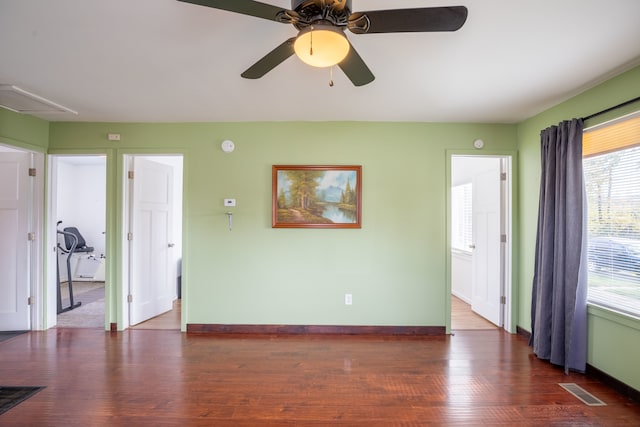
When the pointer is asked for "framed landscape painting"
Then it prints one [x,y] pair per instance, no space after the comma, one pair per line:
[316,196]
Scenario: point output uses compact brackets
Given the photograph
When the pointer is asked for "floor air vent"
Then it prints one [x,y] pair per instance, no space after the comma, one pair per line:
[582,394]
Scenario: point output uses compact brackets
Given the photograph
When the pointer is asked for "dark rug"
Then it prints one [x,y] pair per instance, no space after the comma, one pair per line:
[10,334]
[11,396]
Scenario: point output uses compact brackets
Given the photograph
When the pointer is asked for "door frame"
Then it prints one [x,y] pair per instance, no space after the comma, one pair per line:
[51,241]
[36,267]
[124,160]
[510,265]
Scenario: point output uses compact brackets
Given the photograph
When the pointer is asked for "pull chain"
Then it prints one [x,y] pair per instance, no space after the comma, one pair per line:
[331,76]
[311,43]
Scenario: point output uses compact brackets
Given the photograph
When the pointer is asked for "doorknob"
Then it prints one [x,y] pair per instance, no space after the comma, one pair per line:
[171,245]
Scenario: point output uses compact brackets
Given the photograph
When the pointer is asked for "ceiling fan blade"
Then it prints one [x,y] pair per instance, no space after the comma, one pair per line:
[271,60]
[355,68]
[427,19]
[245,7]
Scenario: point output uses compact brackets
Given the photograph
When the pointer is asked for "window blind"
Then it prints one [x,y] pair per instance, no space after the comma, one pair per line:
[619,134]
[612,179]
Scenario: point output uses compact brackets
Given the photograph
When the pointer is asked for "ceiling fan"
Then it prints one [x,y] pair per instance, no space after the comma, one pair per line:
[321,41]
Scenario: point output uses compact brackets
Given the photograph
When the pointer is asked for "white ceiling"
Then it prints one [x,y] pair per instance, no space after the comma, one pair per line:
[168,61]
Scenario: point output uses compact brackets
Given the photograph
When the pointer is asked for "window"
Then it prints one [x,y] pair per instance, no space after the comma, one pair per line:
[461,217]
[611,159]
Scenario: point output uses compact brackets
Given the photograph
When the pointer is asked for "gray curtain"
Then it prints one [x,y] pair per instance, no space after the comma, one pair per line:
[559,307]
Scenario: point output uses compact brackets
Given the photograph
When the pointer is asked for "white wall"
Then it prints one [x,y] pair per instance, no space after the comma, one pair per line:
[81,198]
[464,168]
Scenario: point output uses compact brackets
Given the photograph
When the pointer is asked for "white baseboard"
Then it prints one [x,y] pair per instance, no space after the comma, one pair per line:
[462,297]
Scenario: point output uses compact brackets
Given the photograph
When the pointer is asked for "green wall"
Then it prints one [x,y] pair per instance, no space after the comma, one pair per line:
[21,130]
[614,340]
[394,265]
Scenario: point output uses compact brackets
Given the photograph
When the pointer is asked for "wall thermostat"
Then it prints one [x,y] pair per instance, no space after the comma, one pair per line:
[478,143]
[227,146]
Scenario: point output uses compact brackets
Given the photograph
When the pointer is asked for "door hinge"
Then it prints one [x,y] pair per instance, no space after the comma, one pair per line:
[31,236]
[32,171]
[503,238]
[130,174]
[129,236]
[31,301]
[129,298]
[503,176]
[503,300]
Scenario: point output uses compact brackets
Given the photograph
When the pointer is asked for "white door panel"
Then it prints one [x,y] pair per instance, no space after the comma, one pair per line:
[152,196]
[14,251]
[486,260]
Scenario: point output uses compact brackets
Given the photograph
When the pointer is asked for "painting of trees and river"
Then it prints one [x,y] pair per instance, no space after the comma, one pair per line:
[314,196]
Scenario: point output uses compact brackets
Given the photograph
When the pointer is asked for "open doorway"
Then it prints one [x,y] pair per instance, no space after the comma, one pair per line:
[78,216]
[152,257]
[480,241]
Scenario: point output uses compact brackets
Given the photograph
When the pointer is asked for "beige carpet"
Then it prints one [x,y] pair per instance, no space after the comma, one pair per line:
[80,288]
[90,314]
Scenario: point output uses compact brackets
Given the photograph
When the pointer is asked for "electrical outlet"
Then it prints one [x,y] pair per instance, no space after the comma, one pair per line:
[348,299]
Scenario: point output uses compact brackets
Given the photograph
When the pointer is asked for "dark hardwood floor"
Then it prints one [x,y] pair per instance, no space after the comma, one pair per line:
[167,378]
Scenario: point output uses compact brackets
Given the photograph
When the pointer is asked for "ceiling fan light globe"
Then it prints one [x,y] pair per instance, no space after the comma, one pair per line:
[321,45]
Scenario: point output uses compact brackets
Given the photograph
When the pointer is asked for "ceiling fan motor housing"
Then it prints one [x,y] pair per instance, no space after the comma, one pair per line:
[336,12]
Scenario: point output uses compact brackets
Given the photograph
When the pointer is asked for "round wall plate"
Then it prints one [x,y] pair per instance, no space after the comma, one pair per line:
[478,143]
[227,146]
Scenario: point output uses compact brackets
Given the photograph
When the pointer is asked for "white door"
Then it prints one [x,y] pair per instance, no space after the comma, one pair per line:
[151,290]
[486,260]
[14,250]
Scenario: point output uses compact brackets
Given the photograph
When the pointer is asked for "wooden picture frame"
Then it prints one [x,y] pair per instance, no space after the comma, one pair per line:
[316,196]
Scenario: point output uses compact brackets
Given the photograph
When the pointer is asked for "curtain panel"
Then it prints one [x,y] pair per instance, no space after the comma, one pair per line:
[559,295]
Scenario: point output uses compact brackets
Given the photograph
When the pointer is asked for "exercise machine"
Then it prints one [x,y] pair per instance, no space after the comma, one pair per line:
[71,242]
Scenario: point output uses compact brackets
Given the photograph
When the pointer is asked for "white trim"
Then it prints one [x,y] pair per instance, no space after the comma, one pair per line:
[36,267]
[51,250]
[461,297]
[126,256]
[508,247]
